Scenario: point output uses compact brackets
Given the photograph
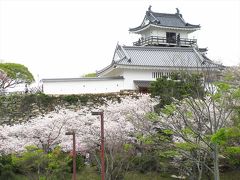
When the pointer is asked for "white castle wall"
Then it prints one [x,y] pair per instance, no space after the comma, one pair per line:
[83,87]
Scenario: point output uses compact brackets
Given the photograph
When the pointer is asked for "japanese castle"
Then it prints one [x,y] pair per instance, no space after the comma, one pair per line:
[163,48]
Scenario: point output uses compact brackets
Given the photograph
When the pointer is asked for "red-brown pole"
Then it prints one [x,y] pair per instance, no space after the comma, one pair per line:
[102,148]
[74,158]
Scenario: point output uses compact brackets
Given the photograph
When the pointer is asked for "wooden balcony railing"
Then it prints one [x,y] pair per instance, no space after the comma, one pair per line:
[157,40]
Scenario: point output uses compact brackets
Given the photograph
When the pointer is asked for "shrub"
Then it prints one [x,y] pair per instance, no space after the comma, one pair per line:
[71,99]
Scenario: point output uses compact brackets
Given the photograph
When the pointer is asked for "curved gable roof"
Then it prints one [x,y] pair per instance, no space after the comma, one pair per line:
[165,20]
[159,57]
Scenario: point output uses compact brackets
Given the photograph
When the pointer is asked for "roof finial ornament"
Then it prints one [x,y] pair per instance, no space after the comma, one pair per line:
[149,8]
[178,12]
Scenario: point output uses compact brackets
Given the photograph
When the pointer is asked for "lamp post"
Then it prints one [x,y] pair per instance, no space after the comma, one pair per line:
[102,143]
[74,177]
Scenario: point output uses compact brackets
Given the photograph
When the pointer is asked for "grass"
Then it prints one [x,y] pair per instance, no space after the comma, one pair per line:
[232,175]
[90,173]
[147,176]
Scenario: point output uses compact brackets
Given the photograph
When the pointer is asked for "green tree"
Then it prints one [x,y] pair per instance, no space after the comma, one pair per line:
[195,121]
[180,85]
[12,74]
[90,75]
[228,140]
[58,164]
[6,167]
[32,162]
[37,164]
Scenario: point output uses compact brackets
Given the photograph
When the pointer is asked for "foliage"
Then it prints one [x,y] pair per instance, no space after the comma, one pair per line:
[71,99]
[44,100]
[232,75]
[147,162]
[200,126]
[180,139]
[36,164]
[90,75]
[32,162]
[228,139]
[154,149]
[12,74]
[80,164]
[74,99]
[6,167]
[58,164]
[118,155]
[179,86]
[15,108]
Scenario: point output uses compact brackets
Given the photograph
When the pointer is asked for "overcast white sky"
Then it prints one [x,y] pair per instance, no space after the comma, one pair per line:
[69,38]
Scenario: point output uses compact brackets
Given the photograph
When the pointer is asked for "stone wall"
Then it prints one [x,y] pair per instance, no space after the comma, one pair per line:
[17,108]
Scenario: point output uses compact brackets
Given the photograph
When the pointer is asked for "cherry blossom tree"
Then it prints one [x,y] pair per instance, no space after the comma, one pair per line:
[49,130]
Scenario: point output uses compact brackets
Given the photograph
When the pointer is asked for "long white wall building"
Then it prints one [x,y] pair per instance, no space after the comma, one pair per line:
[163,48]
[82,85]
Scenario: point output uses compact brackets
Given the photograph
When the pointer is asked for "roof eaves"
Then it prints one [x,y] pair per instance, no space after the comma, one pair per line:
[193,25]
[115,62]
[197,27]
[139,28]
[211,62]
[157,48]
[105,69]
[205,59]
[130,66]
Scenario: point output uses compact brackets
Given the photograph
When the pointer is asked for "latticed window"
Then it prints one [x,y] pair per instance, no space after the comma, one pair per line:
[161,74]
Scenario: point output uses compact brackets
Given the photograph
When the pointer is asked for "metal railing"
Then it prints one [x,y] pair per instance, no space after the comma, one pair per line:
[157,40]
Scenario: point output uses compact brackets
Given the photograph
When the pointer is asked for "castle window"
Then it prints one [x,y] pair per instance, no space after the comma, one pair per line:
[157,75]
[171,37]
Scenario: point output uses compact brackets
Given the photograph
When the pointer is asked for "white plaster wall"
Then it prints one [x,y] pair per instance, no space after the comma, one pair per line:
[83,87]
[146,33]
[158,32]
[183,34]
[131,74]
[153,31]
[114,72]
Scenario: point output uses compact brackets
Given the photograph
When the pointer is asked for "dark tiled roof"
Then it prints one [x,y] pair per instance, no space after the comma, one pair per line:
[160,57]
[165,20]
